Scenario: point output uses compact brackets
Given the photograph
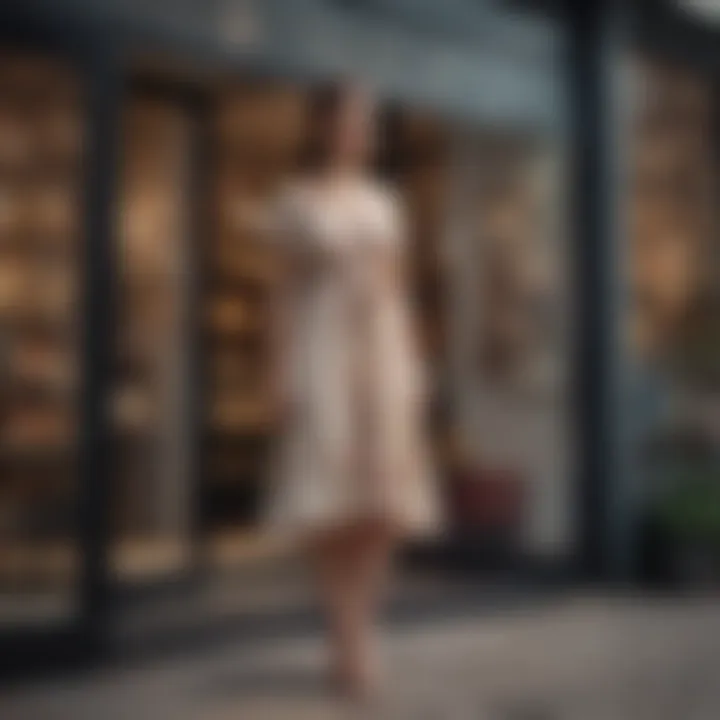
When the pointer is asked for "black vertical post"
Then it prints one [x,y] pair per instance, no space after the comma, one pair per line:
[594,63]
[202,230]
[103,102]
[715,145]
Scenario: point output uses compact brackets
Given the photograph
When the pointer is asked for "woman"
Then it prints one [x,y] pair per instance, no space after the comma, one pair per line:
[353,477]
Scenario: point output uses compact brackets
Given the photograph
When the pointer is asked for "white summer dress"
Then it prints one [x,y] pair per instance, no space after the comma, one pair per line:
[354,446]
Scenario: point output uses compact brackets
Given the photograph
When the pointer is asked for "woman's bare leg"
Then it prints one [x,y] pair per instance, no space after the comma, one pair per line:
[374,547]
[352,565]
[332,555]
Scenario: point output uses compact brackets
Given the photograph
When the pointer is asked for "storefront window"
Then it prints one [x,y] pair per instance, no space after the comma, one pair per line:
[672,208]
[519,263]
[675,317]
[512,335]
[40,255]
[420,143]
[257,130]
[510,274]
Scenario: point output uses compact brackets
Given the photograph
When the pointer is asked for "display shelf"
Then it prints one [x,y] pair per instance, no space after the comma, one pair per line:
[257,132]
[45,458]
[242,418]
[244,272]
[32,450]
[41,217]
[233,315]
[672,204]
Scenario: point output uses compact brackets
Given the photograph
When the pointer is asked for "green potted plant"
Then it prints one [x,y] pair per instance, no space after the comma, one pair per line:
[689,509]
[686,501]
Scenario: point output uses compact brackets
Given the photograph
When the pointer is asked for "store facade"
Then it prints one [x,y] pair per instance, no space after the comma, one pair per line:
[643,80]
[135,439]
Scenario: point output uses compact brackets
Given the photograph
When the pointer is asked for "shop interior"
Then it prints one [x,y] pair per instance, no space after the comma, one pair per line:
[41,215]
[674,322]
[672,215]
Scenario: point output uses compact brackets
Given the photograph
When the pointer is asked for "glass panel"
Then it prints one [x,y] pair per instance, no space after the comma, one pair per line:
[672,206]
[40,247]
[674,320]
[152,508]
[512,341]
[421,176]
[418,155]
[257,130]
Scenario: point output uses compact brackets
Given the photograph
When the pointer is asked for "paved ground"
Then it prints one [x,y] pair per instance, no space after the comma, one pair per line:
[583,658]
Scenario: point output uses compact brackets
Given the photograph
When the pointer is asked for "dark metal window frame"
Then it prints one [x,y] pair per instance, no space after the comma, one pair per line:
[662,31]
[195,100]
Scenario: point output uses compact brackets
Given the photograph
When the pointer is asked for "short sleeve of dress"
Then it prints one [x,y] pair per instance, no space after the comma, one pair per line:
[394,220]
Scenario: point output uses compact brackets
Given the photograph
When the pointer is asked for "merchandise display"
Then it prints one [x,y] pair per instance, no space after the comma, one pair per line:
[41,126]
[672,204]
[514,292]
[257,133]
[421,180]
[151,380]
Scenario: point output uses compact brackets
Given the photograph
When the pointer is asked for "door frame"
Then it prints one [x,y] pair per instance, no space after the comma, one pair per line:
[195,100]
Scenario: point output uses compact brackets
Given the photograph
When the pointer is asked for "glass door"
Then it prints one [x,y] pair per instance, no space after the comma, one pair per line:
[153,502]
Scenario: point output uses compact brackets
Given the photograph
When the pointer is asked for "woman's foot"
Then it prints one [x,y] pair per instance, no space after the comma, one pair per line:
[357,680]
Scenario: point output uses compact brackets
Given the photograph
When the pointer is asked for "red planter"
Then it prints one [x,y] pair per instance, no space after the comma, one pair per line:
[487,500]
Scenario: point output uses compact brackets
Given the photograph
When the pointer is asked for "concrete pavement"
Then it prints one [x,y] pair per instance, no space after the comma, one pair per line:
[583,658]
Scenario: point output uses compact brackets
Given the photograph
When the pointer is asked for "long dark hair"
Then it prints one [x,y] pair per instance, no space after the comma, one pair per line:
[323,105]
